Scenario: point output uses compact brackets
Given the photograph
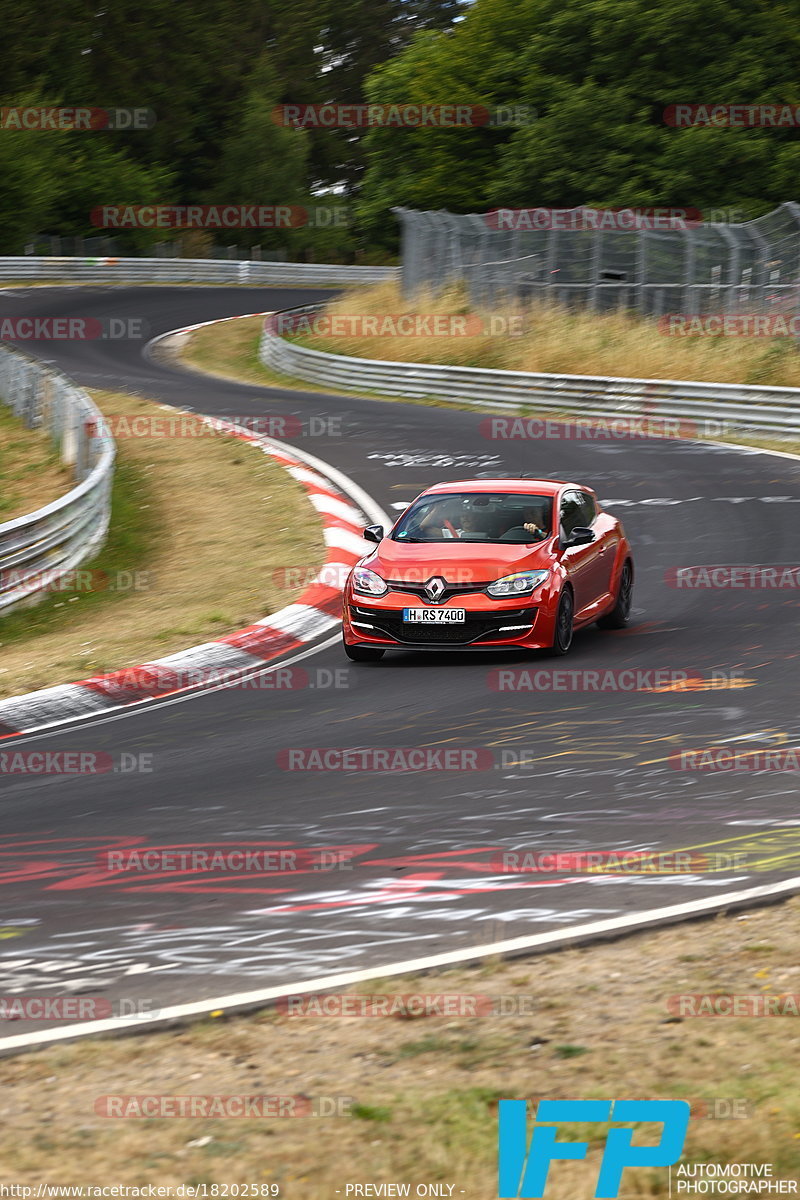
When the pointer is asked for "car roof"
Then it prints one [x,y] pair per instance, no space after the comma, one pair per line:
[545,487]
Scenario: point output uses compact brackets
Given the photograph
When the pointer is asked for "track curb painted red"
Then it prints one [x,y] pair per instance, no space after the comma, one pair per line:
[237,656]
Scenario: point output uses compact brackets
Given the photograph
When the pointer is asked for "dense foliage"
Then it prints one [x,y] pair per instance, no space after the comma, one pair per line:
[598,74]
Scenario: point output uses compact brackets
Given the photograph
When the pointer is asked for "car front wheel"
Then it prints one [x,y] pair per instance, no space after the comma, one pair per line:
[363,654]
[562,635]
[620,613]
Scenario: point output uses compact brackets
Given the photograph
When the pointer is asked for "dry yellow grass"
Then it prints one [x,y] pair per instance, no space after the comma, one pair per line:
[31,474]
[221,518]
[230,350]
[426,1089]
[558,341]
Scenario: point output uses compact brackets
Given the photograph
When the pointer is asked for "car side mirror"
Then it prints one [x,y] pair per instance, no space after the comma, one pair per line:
[580,536]
[373,533]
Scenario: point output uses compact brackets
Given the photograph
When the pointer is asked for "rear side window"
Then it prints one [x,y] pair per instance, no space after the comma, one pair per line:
[589,509]
[572,513]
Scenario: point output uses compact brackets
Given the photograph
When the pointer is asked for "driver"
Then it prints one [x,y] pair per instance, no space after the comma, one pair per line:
[531,516]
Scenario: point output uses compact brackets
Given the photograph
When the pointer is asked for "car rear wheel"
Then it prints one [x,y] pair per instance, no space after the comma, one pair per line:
[620,613]
[562,635]
[363,654]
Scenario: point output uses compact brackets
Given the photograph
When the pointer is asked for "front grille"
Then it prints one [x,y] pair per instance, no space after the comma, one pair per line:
[451,589]
[479,626]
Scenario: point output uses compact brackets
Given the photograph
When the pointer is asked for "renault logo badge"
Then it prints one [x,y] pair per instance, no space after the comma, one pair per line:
[434,588]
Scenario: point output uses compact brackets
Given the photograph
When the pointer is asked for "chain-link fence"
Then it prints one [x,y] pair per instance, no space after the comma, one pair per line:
[699,268]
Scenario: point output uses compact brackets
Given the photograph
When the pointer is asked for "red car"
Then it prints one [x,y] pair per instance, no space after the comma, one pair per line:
[489,563]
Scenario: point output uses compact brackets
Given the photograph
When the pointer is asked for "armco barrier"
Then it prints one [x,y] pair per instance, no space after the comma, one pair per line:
[188,270]
[758,408]
[38,549]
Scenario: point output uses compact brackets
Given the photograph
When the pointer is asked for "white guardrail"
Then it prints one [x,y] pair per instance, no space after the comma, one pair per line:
[188,270]
[39,549]
[714,407]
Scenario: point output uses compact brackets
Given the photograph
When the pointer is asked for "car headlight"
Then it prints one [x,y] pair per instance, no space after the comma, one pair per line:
[367,581]
[520,584]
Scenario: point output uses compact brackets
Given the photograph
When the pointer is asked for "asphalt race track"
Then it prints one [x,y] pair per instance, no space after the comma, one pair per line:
[421,847]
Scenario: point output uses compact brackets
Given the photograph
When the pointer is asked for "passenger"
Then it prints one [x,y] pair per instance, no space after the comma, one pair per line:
[438,522]
[471,525]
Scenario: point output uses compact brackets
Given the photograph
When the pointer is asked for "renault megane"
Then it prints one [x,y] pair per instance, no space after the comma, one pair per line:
[489,563]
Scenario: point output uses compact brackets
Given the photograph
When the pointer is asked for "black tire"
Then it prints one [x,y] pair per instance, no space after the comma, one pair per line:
[620,614]
[565,614]
[363,654]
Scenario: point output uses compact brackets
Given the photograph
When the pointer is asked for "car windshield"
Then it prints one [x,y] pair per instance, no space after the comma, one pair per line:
[477,517]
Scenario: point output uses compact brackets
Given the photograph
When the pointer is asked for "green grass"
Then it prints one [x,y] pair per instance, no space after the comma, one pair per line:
[570,1051]
[132,534]
[31,472]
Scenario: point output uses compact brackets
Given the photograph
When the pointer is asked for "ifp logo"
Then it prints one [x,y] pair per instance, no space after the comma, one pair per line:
[523,1168]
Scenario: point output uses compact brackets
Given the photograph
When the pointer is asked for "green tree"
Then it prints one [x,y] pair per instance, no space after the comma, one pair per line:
[262,162]
[600,75]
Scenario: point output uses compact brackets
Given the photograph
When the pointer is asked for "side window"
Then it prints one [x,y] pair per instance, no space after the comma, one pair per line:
[571,513]
[589,509]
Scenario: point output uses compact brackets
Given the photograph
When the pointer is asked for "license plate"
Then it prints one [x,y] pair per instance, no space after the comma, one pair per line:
[435,616]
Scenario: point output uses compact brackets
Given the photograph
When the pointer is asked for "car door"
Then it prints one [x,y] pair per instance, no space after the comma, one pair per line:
[605,546]
[580,562]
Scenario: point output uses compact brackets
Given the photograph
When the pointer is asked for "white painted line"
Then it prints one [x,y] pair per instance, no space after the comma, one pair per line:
[343,539]
[330,506]
[301,621]
[557,938]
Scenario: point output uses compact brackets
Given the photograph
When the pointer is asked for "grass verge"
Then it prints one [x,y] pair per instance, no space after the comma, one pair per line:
[596,1023]
[31,473]
[201,529]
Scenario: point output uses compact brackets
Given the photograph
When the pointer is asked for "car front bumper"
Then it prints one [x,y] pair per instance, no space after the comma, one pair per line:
[483,629]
